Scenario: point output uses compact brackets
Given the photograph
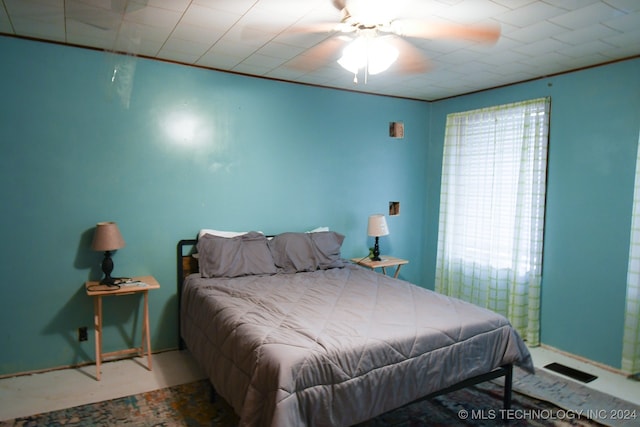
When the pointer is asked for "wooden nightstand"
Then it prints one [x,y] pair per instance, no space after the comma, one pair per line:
[386,261]
[97,291]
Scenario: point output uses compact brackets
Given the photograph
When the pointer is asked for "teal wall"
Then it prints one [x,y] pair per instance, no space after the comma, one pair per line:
[262,155]
[595,123]
[275,157]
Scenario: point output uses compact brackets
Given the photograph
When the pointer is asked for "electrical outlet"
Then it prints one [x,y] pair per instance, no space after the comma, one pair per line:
[82,333]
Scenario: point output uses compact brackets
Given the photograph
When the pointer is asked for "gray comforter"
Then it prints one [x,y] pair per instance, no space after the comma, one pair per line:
[336,347]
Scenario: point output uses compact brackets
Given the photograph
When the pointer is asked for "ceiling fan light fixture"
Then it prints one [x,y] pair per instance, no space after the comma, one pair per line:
[354,55]
[381,56]
[373,54]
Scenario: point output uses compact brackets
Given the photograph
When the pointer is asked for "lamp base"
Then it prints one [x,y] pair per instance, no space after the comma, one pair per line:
[107,268]
[108,281]
[376,251]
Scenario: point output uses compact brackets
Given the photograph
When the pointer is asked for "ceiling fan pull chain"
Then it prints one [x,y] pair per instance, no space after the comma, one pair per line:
[366,69]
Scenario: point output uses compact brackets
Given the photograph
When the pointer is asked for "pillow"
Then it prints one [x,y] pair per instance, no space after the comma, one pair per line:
[293,252]
[318,229]
[220,233]
[328,244]
[242,255]
[299,252]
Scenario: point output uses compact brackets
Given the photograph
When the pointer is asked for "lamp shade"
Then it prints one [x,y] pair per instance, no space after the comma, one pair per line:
[107,237]
[377,226]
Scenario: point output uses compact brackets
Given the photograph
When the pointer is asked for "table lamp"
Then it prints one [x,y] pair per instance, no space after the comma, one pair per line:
[107,238]
[377,227]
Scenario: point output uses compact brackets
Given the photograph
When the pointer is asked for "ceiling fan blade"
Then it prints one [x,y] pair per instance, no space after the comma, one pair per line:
[317,56]
[433,30]
[410,59]
[320,27]
[253,31]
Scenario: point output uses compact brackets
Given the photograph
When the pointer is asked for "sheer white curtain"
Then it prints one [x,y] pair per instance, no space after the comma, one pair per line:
[631,337]
[492,210]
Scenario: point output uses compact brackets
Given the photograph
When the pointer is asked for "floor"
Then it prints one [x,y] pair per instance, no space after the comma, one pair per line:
[53,390]
[36,393]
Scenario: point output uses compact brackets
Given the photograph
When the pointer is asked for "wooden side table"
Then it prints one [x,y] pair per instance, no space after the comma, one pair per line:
[142,285]
[385,261]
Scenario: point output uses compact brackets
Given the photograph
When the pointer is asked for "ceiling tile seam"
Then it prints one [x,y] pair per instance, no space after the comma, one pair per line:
[6,11]
[172,30]
[64,19]
[227,32]
[556,38]
[613,6]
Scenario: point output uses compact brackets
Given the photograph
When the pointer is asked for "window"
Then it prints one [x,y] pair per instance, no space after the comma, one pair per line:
[492,209]
[631,337]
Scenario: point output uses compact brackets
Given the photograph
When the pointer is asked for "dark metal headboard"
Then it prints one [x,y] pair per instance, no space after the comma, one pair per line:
[186,264]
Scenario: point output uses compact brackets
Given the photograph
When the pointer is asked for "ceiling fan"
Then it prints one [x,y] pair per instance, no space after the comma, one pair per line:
[374,38]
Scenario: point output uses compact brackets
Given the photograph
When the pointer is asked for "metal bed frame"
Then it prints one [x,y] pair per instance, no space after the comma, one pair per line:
[187,264]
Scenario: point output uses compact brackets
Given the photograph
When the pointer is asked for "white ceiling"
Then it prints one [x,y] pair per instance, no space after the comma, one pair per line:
[538,38]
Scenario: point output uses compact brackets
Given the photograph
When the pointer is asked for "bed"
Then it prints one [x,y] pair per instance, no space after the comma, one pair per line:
[289,333]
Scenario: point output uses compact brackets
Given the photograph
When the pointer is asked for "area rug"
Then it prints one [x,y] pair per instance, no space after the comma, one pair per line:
[192,405]
[577,398]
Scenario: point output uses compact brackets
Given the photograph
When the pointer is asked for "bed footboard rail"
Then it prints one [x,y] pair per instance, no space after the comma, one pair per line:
[505,371]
